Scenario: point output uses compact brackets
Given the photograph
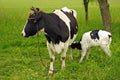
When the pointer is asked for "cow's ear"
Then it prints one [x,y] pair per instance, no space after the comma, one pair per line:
[36,10]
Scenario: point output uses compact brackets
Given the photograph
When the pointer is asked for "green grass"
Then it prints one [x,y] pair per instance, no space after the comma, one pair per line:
[19,57]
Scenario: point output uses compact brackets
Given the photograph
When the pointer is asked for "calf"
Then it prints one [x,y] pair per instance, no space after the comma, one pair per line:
[60,29]
[93,38]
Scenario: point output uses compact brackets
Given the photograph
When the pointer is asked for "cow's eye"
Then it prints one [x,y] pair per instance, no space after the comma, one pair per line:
[33,20]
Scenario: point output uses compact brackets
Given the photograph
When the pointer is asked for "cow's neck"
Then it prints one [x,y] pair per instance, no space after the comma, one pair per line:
[41,24]
[49,22]
[47,25]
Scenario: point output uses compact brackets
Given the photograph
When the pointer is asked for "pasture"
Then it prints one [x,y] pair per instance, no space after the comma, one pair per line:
[19,57]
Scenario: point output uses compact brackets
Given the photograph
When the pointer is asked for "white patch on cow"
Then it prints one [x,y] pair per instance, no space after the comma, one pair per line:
[71,40]
[23,32]
[41,31]
[103,38]
[65,9]
[58,47]
[63,17]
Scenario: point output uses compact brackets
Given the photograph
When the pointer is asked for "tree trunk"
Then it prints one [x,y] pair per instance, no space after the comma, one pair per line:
[105,13]
[86,9]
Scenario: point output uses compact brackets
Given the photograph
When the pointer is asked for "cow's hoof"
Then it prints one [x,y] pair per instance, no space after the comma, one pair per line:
[63,68]
[50,72]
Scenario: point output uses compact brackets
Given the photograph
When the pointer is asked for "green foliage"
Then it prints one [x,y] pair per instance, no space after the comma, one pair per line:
[19,58]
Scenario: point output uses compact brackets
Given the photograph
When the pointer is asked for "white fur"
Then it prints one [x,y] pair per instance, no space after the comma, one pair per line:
[57,47]
[23,32]
[63,17]
[104,42]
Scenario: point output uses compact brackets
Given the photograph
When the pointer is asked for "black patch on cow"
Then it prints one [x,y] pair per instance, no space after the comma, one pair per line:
[55,40]
[73,23]
[94,34]
[76,45]
[56,29]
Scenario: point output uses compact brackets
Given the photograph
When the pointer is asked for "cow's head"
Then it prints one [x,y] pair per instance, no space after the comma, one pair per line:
[31,26]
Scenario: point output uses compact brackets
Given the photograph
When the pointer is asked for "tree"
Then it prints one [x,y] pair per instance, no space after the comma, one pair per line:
[86,9]
[105,13]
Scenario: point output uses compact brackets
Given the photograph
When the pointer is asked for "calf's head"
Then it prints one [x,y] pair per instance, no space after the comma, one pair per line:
[31,26]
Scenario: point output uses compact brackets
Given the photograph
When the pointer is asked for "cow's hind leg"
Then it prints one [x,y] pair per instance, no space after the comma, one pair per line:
[63,56]
[70,53]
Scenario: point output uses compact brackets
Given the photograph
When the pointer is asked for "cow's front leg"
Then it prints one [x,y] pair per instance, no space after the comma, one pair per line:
[51,70]
[63,56]
[52,58]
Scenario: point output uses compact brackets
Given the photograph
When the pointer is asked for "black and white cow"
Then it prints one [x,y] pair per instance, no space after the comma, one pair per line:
[93,38]
[60,29]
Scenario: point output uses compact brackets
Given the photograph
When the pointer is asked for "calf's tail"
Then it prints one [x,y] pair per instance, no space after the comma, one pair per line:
[76,45]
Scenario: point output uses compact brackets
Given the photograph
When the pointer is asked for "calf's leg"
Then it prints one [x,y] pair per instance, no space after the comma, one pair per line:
[106,49]
[88,52]
[83,55]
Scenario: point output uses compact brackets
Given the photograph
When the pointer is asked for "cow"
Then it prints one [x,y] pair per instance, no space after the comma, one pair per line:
[93,38]
[60,28]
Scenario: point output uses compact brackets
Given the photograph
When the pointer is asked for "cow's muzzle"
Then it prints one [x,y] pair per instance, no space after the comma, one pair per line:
[23,34]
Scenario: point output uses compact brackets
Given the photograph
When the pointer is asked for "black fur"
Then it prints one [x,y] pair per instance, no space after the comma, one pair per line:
[109,36]
[94,34]
[76,45]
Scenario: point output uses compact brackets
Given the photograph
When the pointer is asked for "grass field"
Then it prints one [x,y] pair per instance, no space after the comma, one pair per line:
[19,57]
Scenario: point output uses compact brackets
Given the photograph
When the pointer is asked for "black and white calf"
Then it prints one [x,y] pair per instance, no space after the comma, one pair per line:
[60,29]
[93,38]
